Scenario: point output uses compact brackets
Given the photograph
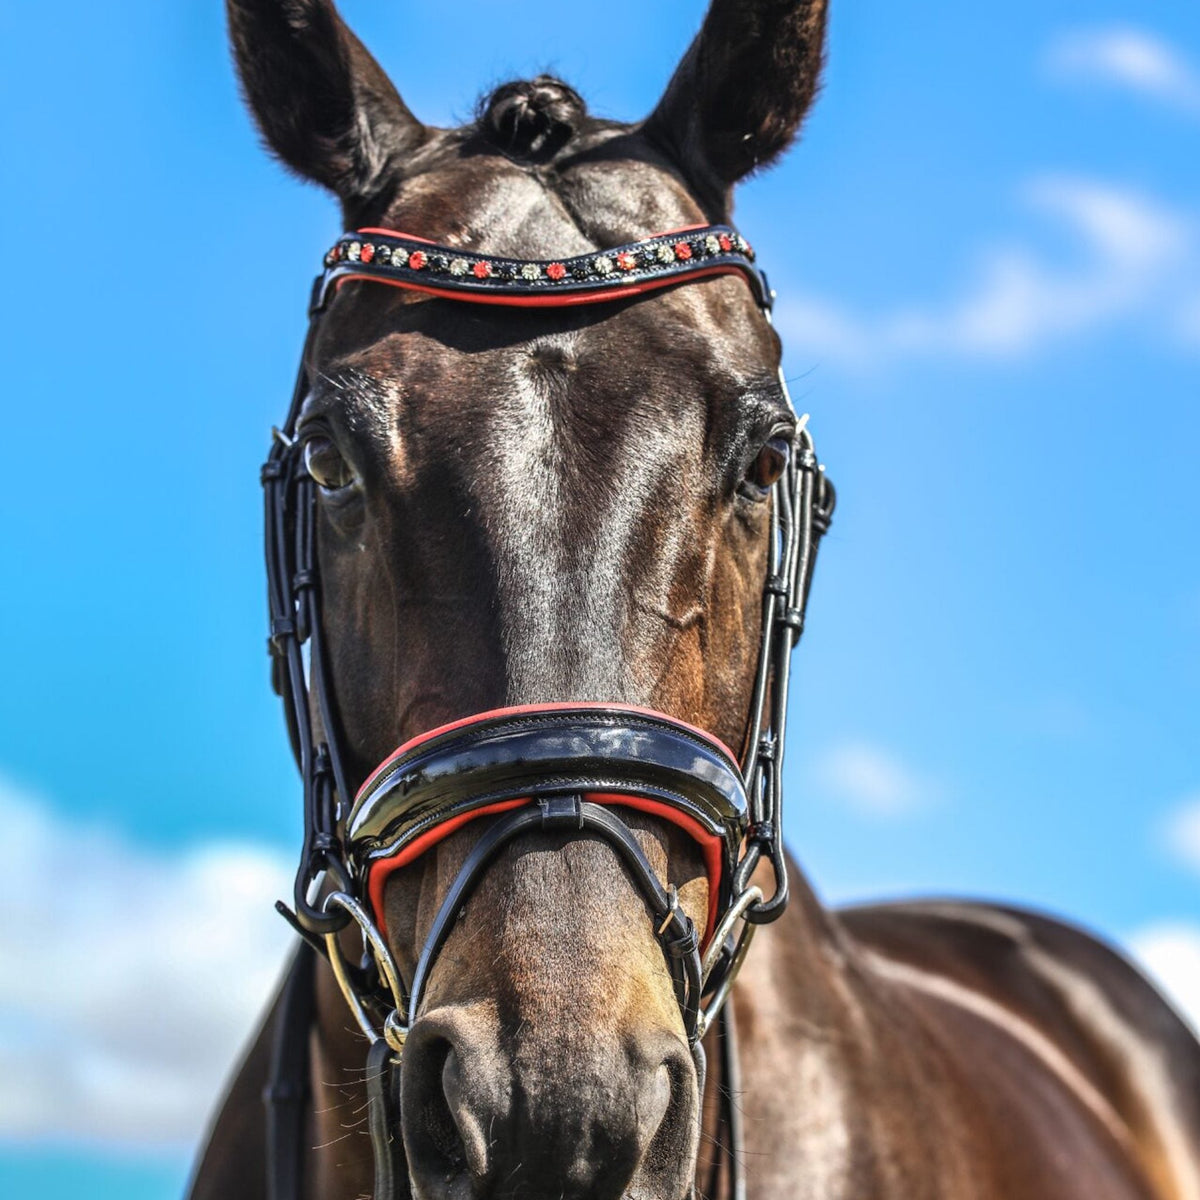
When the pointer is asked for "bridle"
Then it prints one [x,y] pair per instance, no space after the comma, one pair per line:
[566,768]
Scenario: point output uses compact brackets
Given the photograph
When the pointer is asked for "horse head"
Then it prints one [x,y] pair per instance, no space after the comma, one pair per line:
[522,506]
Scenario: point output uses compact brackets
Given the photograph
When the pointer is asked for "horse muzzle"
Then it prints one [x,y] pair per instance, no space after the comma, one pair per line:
[476,1113]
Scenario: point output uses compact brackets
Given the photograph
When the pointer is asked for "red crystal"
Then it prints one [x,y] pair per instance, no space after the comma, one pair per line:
[726,242]
[683,251]
[416,260]
[481,270]
[368,252]
[556,271]
[626,261]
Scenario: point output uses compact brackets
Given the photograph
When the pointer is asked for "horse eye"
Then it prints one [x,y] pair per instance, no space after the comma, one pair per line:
[767,468]
[326,465]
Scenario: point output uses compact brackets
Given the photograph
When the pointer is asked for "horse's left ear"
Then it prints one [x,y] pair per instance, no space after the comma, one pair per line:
[737,99]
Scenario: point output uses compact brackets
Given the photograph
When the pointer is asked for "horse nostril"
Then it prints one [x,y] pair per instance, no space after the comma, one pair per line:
[471,1136]
[450,1097]
[431,1132]
[653,1104]
[668,1125]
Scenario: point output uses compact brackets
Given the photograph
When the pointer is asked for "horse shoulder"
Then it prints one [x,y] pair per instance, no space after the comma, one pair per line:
[1083,1007]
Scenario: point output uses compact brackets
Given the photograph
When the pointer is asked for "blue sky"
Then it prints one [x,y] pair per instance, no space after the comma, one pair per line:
[987,251]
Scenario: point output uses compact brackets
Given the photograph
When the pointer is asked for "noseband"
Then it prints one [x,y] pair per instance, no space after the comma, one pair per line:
[566,769]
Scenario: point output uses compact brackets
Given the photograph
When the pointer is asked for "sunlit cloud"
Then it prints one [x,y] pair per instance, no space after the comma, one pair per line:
[1169,952]
[1123,255]
[1124,57]
[873,781]
[128,978]
[1181,832]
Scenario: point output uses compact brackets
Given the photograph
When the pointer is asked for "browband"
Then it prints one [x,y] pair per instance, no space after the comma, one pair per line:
[385,256]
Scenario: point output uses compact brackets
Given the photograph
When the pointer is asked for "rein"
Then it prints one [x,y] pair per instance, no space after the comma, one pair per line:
[567,768]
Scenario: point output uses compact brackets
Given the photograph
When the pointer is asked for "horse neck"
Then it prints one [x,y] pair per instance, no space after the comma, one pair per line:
[803,961]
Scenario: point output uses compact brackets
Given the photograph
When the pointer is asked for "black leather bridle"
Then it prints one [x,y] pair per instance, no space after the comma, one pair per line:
[568,769]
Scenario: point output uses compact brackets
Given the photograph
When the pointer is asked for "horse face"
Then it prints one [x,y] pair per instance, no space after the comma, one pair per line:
[527,509]
[532,506]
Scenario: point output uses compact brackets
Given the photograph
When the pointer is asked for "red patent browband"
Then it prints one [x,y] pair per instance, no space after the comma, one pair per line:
[401,260]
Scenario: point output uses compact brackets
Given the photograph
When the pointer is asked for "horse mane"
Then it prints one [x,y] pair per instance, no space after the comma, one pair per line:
[531,119]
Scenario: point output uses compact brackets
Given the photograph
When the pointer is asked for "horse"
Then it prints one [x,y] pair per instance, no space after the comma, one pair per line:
[560,521]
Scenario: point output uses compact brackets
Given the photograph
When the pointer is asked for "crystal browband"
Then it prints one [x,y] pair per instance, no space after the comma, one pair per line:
[409,262]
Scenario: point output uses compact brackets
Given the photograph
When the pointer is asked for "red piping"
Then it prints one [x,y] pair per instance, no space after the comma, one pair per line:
[549,299]
[411,237]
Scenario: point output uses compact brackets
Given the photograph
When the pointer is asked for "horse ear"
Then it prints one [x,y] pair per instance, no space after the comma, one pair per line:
[324,105]
[737,99]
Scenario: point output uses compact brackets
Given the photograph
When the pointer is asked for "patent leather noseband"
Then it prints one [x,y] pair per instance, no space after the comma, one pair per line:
[567,770]
[610,754]
[555,768]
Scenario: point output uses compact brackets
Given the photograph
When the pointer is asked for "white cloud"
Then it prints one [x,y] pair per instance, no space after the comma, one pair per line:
[1169,953]
[1122,56]
[872,781]
[1181,831]
[129,979]
[1137,258]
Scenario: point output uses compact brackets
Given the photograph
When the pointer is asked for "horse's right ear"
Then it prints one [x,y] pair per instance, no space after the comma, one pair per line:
[324,105]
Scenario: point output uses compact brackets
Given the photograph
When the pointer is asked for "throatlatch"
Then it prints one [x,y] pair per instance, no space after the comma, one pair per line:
[568,769]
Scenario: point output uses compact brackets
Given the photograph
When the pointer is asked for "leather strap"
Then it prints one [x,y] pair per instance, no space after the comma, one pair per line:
[383,1122]
[675,931]
[731,1101]
[609,748]
[286,1093]
[399,259]
[611,754]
